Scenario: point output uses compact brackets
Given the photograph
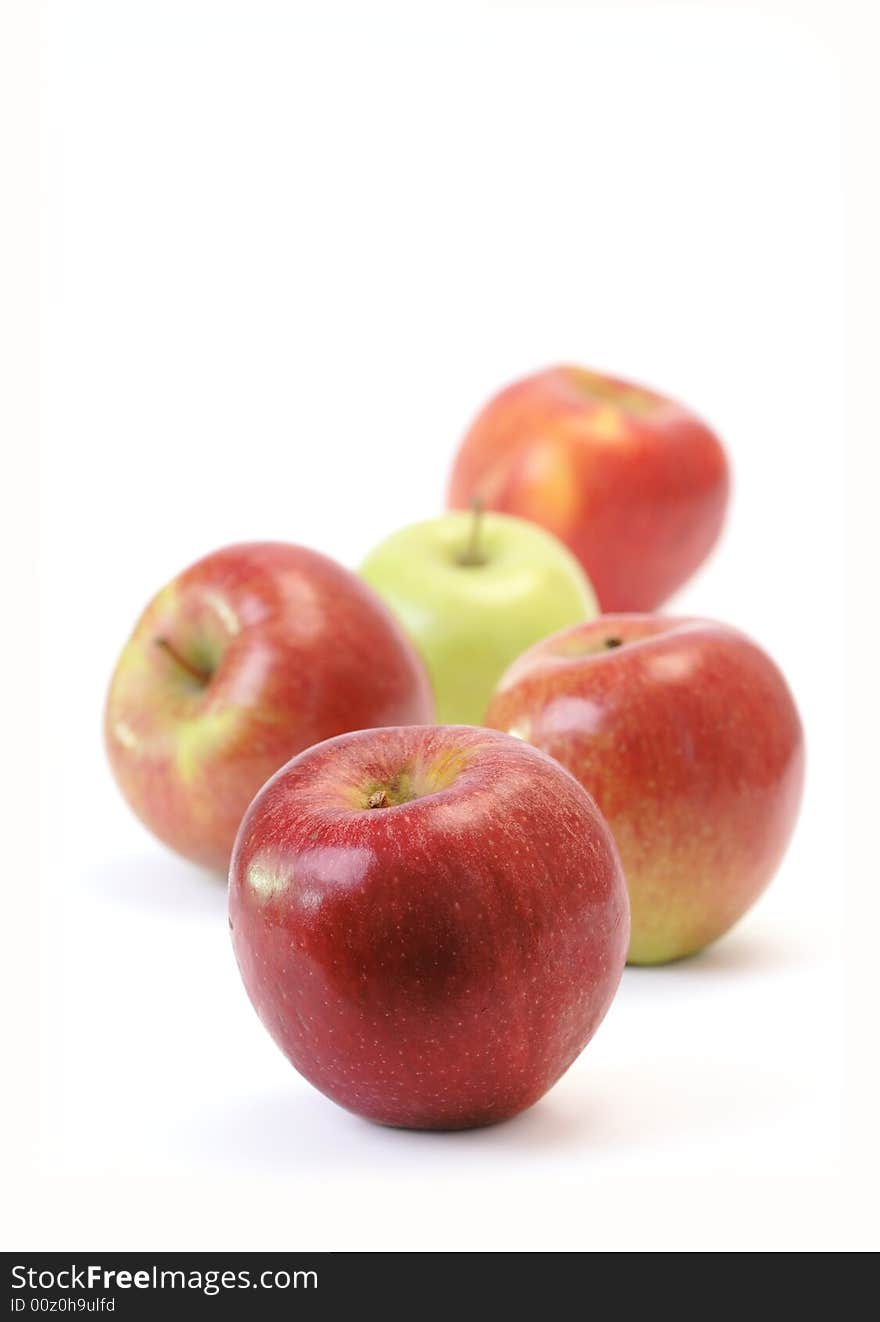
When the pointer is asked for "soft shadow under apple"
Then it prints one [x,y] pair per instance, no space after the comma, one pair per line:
[158,883]
[646,1109]
[745,952]
[286,1132]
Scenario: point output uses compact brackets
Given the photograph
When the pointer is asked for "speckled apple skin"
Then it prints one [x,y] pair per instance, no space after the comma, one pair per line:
[300,649]
[440,963]
[689,740]
[635,484]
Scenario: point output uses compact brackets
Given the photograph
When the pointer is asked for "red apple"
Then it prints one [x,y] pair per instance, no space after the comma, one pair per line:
[689,740]
[430,922]
[635,484]
[252,654]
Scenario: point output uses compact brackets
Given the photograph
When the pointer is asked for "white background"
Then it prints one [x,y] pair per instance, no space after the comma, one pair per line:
[287,253]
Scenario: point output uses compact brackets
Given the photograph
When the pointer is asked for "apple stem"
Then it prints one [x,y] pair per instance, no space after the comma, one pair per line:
[472,555]
[614,642]
[202,676]
[378,799]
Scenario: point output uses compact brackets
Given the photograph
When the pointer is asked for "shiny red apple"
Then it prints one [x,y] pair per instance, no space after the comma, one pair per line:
[252,654]
[689,740]
[635,484]
[431,922]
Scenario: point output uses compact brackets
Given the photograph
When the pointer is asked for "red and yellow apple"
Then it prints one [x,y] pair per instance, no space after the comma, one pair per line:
[634,483]
[688,738]
[252,654]
[430,922]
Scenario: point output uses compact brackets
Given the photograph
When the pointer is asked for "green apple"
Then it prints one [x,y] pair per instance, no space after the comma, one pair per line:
[473,590]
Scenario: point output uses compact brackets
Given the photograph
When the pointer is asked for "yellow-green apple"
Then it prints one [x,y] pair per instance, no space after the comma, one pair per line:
[689,740]
[252,654]
[634,483]
[474,590]
[431,922]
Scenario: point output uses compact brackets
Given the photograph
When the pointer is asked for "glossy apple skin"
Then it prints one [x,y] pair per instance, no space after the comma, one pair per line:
[689,740]
[470,621]
[299,649]
[635,484]
[439,963]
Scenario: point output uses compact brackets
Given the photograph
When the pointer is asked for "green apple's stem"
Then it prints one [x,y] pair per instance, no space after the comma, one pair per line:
[472,555]
[201,676]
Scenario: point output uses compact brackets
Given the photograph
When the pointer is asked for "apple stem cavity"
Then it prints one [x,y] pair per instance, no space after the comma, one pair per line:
[201,676]
[472,555]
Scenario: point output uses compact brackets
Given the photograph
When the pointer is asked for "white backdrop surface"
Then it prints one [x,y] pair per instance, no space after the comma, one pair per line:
[288,252]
